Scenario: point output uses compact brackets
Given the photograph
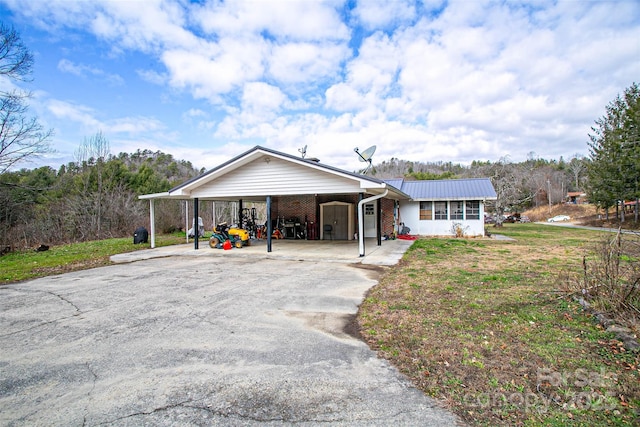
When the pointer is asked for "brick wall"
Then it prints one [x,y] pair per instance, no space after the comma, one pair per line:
[307,208]
[301,207]
[387,216]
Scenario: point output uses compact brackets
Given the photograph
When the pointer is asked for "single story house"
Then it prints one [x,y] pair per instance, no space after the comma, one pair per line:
[576,197]
[331,202]
[445,207]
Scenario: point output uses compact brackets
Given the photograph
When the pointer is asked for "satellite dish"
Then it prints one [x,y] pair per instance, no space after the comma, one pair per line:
[365,156]
[303,151]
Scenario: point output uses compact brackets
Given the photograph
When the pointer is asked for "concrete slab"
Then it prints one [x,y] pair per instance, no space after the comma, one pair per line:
[214,338]
[345,251]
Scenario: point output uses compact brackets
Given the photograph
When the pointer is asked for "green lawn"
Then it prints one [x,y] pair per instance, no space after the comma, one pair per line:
[18,266]
[484,326]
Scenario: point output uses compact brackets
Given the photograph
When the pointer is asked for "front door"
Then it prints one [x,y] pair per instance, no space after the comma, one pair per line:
[370,220]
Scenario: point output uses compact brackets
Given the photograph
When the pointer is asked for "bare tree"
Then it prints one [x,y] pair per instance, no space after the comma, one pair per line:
[508,179]
[577,166]
[93,153]
[21,138]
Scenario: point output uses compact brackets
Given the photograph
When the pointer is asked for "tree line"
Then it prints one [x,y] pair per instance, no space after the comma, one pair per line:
[92,198]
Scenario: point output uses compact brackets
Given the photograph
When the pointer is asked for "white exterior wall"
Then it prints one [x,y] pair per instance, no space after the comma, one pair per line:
[276,177]
[410,216]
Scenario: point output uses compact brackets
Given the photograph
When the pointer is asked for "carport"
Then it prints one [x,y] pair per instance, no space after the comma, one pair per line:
[356,205]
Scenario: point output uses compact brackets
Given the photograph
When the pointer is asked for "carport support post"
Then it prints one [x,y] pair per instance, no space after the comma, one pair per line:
[153,222]
[269,226]
[240,213]
[379,221]
[195,224]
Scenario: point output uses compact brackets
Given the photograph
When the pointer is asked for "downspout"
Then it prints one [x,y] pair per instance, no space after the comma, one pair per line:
[361,218]
[186,219]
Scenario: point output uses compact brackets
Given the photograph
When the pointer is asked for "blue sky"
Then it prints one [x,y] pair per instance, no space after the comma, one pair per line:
[425,81]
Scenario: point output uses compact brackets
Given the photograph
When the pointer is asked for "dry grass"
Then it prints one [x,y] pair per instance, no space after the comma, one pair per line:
[582,215]
[578,213]
[481,326]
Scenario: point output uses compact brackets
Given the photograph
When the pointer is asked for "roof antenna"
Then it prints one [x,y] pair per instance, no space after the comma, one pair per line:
[365,156]
[303,151]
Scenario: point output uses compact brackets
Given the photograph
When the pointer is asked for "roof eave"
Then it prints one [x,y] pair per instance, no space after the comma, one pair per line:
[184,189]
[441,199]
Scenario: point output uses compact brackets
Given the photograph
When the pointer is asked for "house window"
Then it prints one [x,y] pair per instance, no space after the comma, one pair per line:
[473,209]
[440,209]
[368,209]
[426,211]
[457,210]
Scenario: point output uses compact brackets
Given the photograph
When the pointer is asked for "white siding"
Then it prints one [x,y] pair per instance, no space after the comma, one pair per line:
[410,216]
[274,178]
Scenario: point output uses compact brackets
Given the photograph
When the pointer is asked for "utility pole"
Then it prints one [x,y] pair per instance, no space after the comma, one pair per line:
[549,194]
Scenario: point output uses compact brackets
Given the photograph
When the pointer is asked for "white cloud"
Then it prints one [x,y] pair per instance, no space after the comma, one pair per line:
[263,98]
[81,70]
[86,117]
[152,76]
[134,125]
[146,25]
[306,62]
[297,20]
[194,113]
[376,14]
[77,113]
[208,76]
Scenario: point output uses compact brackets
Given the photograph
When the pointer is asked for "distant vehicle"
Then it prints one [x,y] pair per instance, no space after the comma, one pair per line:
[559,218]
[524,218]
[513,218]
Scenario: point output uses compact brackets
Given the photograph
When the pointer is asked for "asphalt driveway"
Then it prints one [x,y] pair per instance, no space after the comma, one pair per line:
[202,341]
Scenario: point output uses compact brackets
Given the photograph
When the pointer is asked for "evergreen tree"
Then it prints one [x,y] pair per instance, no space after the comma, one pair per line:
[614,169]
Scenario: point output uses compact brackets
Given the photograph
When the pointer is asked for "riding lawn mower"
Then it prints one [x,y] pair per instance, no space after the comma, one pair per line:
[237,237]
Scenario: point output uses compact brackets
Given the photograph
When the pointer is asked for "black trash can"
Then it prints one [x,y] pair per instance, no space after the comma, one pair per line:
[141,235]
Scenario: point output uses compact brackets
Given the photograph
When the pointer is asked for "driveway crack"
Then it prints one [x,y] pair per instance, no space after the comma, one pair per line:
[151,412]
[62,298]
[90,392]
[78,311]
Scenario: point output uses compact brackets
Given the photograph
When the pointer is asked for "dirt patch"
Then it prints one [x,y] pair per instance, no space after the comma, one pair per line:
[373,271]
[339,325]
[75,266]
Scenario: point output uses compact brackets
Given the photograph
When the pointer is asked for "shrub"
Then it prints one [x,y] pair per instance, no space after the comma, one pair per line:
[611,278]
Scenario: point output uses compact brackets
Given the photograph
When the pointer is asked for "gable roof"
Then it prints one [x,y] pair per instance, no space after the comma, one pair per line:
[447,189]
[260,172]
